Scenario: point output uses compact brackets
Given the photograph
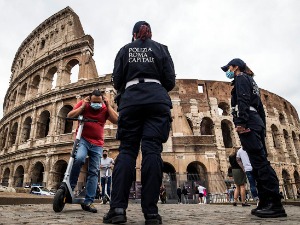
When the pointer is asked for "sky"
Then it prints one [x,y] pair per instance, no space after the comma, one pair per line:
[202,35]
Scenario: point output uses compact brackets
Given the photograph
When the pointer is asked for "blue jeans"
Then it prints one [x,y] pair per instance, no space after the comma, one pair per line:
[94,152]
[103,185]
[252,183]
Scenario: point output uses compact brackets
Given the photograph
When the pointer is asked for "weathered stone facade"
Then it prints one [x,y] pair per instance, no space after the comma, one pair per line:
[35,140]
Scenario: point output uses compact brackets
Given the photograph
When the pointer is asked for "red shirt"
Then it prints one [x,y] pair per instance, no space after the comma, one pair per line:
[93,132]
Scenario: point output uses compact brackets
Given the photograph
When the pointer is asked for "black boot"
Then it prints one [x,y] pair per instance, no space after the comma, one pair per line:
[152,219]
[273,210]
[261,204]
[114,216]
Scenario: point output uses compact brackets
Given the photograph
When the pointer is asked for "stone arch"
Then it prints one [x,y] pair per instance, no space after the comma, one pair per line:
[3,138]
[22,93]
[19,176]
[296,143]
[169,180]
[288,145]
[190,123]
[287,184]
[50,79]
[276,137]
[64,126]
[281,118]
[58,172]
[197,173]
[207,126]
[72,69]
[37,173]
[13,134]
[5,177]
[35,85]
[224,109]
[13,99]
[43,124]
[297,179]
[227,133]
[25,135]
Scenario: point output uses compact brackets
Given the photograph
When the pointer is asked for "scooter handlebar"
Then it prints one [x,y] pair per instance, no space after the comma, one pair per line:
[83,119]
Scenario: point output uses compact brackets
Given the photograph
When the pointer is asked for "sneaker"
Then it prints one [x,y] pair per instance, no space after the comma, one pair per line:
[234,204]
[245,204]
[152,219]
[89,207]
[117,215]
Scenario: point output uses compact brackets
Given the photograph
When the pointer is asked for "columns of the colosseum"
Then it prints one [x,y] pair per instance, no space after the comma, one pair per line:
[11,175]
[43,82]
[33,125]
[87,66]
[8,135]
[53,119]
[18,137]
[27,172]
[46,176]
[63,77]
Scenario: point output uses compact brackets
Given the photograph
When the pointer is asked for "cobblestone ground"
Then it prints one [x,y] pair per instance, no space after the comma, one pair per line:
[189,214]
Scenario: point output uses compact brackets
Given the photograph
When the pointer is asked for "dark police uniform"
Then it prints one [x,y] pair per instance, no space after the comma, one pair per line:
[248,112]
[146,71]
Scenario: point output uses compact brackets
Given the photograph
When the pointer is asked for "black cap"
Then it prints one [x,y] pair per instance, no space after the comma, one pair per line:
[235,62]
[137,26]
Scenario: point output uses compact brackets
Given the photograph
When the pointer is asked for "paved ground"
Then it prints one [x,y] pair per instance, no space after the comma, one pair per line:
[190,214]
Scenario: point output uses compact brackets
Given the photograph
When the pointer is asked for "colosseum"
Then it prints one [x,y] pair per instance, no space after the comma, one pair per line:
[54,68]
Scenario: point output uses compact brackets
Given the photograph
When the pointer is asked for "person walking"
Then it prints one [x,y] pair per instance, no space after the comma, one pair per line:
[185,195]
[250,124]
[239,178]
[105,172]
[95,106]
[179,193]
[201,190]
[244,162]
[143,75]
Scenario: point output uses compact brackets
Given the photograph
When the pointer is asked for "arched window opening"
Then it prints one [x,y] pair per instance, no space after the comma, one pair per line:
[64,126]
[227,133]
[169,180]
[59,170]
[22,93]
[281,118]
[19,176]
[26,129]
[287,184]
[13,99]
[5,178]
[297,179]
[35,85]
[206,126]
[43,125]
[72,68]
[196,174]
[4,138]
[50,79]
[13,134]
[224,109]
[37,174]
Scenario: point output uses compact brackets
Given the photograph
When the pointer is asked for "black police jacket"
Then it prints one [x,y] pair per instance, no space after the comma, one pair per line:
[244,94]
[144,59]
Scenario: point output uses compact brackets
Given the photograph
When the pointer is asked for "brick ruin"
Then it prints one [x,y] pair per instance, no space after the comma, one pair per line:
[54,68]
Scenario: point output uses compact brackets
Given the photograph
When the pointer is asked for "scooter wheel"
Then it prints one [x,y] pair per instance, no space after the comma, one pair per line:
[59,200]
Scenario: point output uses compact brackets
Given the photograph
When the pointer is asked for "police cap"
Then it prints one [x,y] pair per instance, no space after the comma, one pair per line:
[235,62]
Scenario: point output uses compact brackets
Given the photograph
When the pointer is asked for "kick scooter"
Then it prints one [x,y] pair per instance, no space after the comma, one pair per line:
[64,194]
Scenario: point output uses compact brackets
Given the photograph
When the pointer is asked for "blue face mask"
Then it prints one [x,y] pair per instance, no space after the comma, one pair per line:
[96,106]
[229,74]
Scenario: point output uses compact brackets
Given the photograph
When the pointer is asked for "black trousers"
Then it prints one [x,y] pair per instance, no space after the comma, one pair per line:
[267,182]
[147,126]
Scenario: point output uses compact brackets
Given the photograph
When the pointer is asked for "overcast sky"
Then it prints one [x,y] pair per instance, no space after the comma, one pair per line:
[202,35]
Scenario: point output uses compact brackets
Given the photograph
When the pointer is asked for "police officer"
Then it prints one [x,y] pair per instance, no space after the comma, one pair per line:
[249,119]
[144,74]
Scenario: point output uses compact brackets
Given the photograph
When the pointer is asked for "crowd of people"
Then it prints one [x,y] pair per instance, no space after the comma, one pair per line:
[144,119]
